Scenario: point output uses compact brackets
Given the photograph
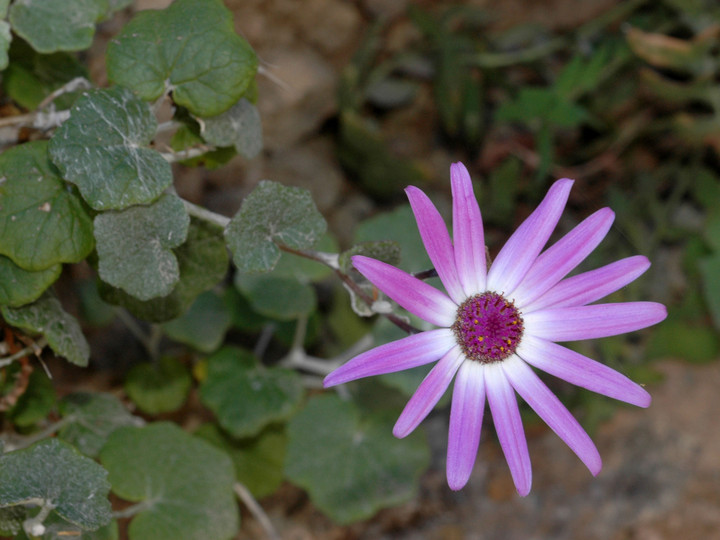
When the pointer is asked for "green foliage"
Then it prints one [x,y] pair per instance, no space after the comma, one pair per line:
[272,214]
[184,498]
[90,418]
[35,404]
[191,49]
[158,387]
[258,460]
[58,475]
[351,464]
[19,287]
[135,247]
[57,25]
[246,396]
[102,149]
[47,318]
[202,262]
[239,126]
[41,222]
[203,326]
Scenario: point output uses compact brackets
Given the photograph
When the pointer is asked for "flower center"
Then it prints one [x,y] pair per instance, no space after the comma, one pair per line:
[488,327]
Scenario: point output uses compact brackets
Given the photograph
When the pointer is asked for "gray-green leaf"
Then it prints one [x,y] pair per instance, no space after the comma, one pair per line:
[41,222]
[246,396]
[351,464]
[134,246]
[272,214]
[57,474]
[185,483]
[102,148]
[190,48]
[47,317]
[57,25]
[204,325]
[90,418]
[203,262]
[239,126]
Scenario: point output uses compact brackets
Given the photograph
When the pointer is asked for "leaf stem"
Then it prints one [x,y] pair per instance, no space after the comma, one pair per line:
[206,215]
[256,510]
[30,349]
[16,442]
[33,526]
[130,511]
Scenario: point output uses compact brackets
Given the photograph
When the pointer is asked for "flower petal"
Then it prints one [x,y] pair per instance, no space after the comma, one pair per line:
[521,249]
[554,413]
[428,393]
[414,295]
[405,353]
[466,415]
[508,425]
[555,263]
[591,286]
[437,241]
[468,235]
[581,371]
[595,321]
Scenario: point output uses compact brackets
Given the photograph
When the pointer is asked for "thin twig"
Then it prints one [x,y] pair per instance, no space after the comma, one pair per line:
[30,349]
[256,510]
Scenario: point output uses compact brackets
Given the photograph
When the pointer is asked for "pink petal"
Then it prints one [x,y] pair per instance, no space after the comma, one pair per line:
[508,425]
[428,393]
[405,353]
[411,293]
[581,371]
[437,242]
[594,321]
[468,235]
[554,413]
[555,263]
[591,286]
[520,251]
[466,414]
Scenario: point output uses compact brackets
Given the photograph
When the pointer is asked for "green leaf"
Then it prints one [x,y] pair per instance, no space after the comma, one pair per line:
[134,246]
[59,475]
[203,262]
[246,396]
[709,271]
[187,137]
[351,465]
[384,250]
[90,417]
[47,317]
[239,126]
[57,25]
[190,48]
[399,226]
[19,287]
[272,214]
[204,325]
[258,461]
[32,76]
[187,497]
[11,519]
[534,104]
[41,222]
[279,298]
[35,403]
[159,387]
[5,38]
[102,148]
[303,269]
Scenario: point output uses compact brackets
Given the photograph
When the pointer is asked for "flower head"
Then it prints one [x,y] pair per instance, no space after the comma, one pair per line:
[496,324]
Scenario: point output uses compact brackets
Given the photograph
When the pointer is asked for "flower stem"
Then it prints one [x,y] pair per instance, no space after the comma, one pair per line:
[256,510]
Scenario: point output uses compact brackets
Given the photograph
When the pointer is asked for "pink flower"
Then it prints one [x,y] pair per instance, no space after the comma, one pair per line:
[496,324]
